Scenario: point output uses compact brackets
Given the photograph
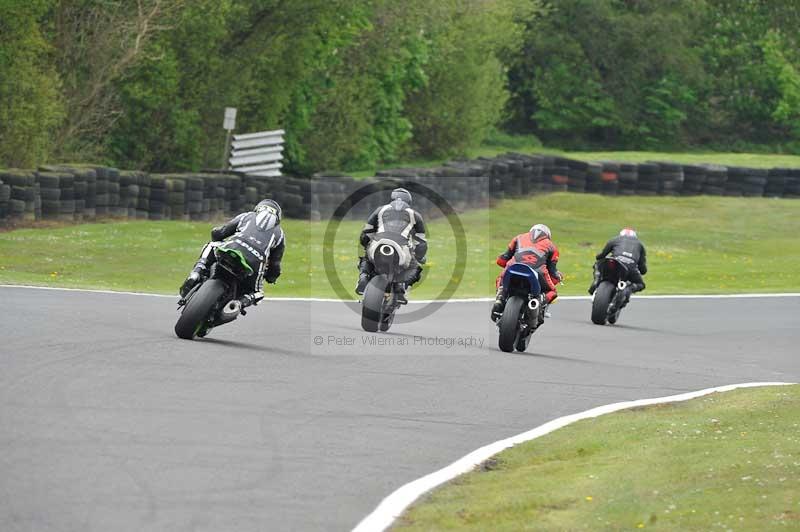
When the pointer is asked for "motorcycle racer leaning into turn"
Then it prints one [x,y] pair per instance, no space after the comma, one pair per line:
[398,218]
[257,236]
[536,249]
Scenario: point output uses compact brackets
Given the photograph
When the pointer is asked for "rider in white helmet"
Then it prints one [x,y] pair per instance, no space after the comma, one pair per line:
[536,249]
[628,249]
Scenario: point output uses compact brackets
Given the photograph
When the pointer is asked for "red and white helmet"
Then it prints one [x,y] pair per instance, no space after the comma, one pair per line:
[539,230]
[628,231]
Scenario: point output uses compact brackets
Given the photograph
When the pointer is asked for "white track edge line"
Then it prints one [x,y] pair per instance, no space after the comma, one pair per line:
[418,301]
[398,501]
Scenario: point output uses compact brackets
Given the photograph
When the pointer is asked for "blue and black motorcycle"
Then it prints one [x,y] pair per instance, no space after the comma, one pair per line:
[524,310]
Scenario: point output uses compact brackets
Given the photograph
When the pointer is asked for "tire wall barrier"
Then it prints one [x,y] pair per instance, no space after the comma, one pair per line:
[86,193]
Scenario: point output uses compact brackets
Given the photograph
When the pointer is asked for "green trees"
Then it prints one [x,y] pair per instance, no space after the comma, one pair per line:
[143,83]
[660,73]
[30,105]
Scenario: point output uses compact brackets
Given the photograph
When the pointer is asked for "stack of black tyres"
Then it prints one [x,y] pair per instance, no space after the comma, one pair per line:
[66,211]
[670,178]
[22,198]
[694,179]
[755,182]
[101,192]
[158,198]
[5,196]
[736,181]
[90,205]
[560,174]
[50,193]
[143,200]
[577,176]
[647,183]
[194,198]
[115,207]
[594,178]
[609,178]
[176,198]
[776,181]
[537,167]
[716,180]
[294,198]
[628,179]
[129,192]
[548,168]
[84,206]
[792,186]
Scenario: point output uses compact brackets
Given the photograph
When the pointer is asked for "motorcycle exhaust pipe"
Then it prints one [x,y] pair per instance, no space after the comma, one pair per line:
[231,311]
[533,304]
[621,285]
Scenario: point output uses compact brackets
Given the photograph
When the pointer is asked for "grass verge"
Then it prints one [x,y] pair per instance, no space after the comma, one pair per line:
[751,160]
[727,461]
[695,245]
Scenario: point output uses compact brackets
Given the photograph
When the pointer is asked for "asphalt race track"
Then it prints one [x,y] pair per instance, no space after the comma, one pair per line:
[109,422]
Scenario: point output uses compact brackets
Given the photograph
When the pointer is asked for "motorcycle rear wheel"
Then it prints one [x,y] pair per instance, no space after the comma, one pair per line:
[197,310]
[372,305]
[602,299]
[509,324]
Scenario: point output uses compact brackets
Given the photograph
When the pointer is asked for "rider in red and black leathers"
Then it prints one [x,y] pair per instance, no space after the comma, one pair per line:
[627,249]
[536,249]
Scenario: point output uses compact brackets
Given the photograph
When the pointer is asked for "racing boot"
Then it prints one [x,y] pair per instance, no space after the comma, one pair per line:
[365,274]
[400,293]
[595,281]
[499,305]
[199,271]
[363,281]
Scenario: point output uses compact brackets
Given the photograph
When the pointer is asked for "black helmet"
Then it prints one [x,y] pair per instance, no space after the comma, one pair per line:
[402,194]
[268,214]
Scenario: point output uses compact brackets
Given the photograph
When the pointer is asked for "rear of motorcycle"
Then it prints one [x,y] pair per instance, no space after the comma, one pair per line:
[523,311]
[612,292]
[214,301]
[379,302]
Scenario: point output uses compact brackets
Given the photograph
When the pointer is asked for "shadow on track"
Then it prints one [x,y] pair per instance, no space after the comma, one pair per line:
[248,347]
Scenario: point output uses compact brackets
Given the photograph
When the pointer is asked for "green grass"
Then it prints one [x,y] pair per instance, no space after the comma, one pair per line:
[695,245]
[531,146]
[726,461]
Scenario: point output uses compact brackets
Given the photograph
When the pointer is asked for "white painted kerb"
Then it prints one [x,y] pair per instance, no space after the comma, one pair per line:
[395,504]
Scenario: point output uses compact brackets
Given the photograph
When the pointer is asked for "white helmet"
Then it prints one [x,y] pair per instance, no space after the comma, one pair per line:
[539,230]
[628,231]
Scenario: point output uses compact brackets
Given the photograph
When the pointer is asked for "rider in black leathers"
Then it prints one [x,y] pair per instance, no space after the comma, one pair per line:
[395,217]
[258,236]
[627,249]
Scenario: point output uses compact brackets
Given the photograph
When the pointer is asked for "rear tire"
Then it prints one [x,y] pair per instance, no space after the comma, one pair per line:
[509,324]
[196,311]
[602,298]
[372,304]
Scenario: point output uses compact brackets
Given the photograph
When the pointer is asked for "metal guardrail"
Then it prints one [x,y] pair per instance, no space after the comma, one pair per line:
[258,154]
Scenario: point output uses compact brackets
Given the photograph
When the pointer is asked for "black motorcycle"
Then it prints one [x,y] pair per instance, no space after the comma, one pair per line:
[524,310]
[215,300]
[612,293]
[392,259]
